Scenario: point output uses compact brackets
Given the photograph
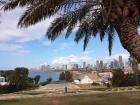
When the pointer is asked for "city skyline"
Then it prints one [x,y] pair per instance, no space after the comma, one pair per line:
[98,65]
[30,48]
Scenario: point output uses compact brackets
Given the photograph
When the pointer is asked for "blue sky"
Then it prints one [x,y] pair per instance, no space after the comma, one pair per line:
[30,48]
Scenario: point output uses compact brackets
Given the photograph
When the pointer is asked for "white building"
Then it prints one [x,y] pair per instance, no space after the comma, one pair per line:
[3,81]
[85,80]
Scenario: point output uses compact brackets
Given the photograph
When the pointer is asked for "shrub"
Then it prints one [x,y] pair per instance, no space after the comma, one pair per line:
[120,79]
[36,79]
[117,79]
[67,76]
[18,80]
[48,81]
[95,84]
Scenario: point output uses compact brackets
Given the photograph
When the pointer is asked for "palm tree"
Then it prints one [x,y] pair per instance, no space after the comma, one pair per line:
[2,2]
[134,64]
[93,17]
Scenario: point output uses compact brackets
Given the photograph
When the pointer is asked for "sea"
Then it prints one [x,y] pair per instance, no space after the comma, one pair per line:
[45,75]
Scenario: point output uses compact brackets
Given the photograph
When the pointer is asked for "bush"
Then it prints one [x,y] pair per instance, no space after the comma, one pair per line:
[67,76]
[48,81]
[95,84]
[3,89]
[7,89]
[36,79]
[18,80]
[117,79]
[32,86]
[120,79]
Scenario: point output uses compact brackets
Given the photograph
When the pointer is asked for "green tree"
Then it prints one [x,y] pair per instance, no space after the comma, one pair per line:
[62,76]
[117,79]
[48,81]
[129,80]
[36,79]
[67,76]
[19,78]
[92,17]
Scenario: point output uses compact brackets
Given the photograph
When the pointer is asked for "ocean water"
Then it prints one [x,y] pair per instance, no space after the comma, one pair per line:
[45,75]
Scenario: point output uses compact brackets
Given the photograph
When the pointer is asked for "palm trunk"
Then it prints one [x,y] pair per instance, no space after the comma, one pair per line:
[135,70]
[129,36]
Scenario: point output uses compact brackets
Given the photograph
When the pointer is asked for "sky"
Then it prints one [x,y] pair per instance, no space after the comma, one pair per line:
[29,47]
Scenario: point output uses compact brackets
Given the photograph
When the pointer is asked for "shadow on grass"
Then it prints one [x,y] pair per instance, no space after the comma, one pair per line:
[8,102]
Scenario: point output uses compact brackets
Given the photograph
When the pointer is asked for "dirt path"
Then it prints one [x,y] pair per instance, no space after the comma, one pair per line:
[53,90]
[22,96]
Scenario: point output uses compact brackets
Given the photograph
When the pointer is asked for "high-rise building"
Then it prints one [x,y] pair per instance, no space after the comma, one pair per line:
[43,68]
[116,64]
[111,64]
[121,64]
[84,65]
[75,66]
[69,66]
[97,64]
[64,67]
[101,64]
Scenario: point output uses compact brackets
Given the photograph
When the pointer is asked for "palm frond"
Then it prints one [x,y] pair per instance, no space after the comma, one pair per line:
[92,17]
[110,32]
[67,21]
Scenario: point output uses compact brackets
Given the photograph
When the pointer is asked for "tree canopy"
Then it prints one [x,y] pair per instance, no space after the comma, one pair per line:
[93,17]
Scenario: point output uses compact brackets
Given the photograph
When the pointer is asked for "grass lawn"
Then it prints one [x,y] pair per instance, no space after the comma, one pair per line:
[129,98]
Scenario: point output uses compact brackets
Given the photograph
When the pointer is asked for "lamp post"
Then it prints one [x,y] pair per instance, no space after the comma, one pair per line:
[66,90]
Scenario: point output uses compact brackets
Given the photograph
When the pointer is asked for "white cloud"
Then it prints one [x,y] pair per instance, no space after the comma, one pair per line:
[63,46]
[9,30]
[125,57]
[9,47]
[47,43]
[85,58]
[13,48]
[88,52]
[72,59]
[12,38]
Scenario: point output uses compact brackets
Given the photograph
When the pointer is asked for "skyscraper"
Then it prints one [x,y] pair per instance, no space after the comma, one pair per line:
[97,64]
[101,64]
[111,64]
[121,64]
[75,66]
[116,64]
[84,65]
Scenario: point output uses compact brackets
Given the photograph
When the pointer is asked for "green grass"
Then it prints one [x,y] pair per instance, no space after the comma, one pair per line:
[30,93]
[97,89]
[127,98]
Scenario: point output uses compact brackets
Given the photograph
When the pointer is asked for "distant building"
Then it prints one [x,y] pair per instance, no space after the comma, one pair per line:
[84,65]
[75,66]
[116,64]
[48,67]
[69,66]
[3,81]
[64,67]
[121,64]
[101,64]
[43,68]
[111,64]
[89,67]
[97,64]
